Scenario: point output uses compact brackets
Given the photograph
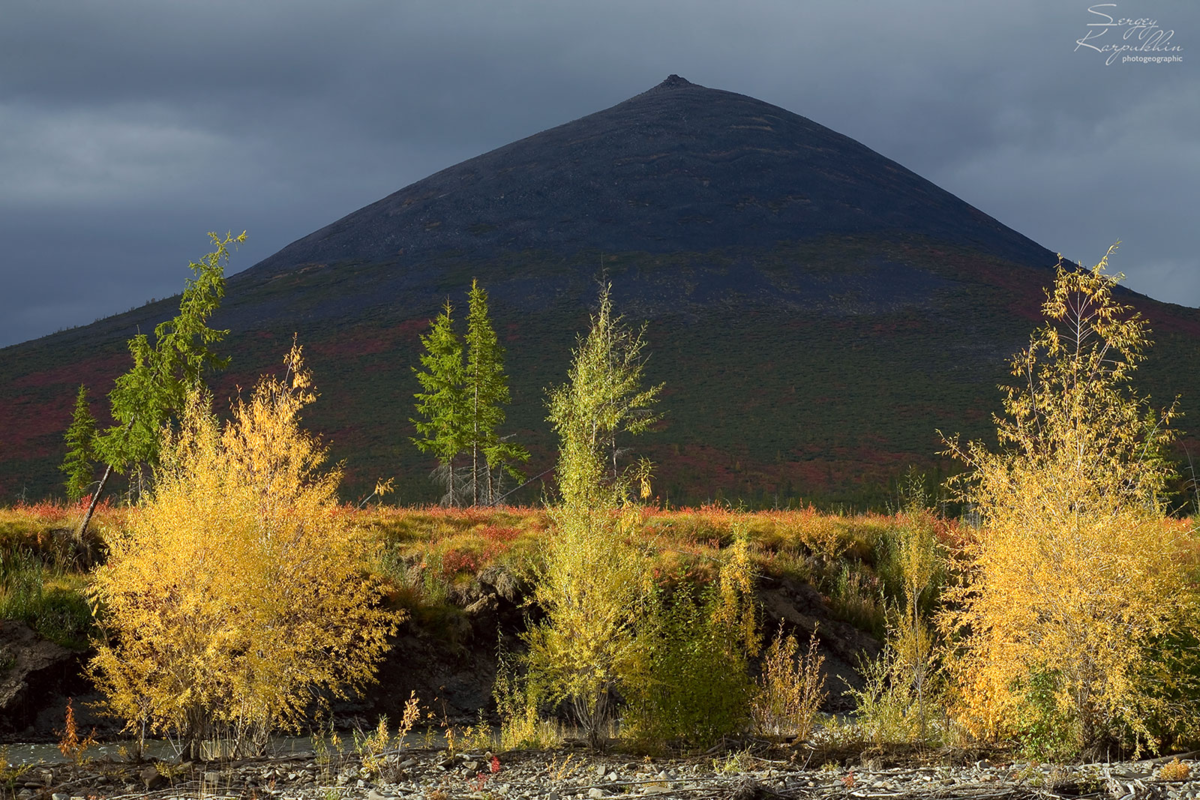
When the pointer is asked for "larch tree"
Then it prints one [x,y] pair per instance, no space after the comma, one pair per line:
[80,463]
[486,389]
[1074,579]
[239,595]
[444,426]
[602,398]
[594,586]
[164,372]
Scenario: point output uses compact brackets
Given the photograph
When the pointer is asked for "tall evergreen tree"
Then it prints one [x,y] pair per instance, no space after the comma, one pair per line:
[486,388]
[163,374]
[444,427]
[80,463]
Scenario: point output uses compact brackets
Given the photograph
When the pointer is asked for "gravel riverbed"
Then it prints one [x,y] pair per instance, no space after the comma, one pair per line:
[563,775]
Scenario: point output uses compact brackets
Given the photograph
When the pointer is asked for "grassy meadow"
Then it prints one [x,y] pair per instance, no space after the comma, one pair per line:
[429,556]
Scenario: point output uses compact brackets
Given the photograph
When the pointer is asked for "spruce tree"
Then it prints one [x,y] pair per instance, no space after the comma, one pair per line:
[486,388]
[444,427]
[80,463]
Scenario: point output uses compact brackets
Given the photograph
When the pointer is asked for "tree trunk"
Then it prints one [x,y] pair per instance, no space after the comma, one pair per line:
[92,505]
[475,449]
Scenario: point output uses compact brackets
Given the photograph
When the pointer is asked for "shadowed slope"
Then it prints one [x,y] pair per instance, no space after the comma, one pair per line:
[678,168]
[816,310]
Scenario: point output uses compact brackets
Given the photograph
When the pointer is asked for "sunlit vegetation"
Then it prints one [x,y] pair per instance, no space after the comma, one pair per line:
[1074,603]
[237,595]
[1058,617]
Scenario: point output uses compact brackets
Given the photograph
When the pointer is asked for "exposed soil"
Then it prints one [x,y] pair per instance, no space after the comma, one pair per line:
[449,661]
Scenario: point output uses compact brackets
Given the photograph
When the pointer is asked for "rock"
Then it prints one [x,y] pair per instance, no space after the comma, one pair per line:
[596,793]
[750,789]
[152,778]
[60,796]
[26,660]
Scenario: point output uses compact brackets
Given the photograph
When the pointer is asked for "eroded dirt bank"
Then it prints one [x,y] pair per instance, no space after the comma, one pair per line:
[448,659]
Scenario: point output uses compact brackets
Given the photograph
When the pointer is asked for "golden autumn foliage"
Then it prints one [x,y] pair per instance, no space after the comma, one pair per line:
[1074,576]
[238,594]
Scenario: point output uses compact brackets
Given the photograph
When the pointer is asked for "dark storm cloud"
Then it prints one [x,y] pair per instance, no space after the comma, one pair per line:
[128,129]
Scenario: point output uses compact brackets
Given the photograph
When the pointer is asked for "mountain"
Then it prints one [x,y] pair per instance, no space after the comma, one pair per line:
[815,310]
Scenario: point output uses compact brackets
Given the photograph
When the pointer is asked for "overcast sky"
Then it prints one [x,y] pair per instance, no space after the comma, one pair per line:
[129,129]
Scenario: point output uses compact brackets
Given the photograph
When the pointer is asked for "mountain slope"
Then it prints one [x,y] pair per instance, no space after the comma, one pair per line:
[816,310]
[678,168]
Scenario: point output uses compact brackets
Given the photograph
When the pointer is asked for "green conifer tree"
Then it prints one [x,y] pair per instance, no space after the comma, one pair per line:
[444,427]
[163,374]
[80,463]
[486,388]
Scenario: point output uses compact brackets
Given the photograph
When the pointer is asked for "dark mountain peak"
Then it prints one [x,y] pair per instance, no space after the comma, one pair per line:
[673,81]
[678,168]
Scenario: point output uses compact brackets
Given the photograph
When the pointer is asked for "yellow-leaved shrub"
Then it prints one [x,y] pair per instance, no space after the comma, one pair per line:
[238,594]
[1074,579]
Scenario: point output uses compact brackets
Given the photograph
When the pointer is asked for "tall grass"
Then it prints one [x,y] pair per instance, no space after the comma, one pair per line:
[47,597]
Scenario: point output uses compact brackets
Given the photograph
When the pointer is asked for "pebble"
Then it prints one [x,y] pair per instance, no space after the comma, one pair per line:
[527,776]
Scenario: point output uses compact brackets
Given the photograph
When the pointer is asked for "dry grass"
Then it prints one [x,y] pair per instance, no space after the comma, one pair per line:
[430,556]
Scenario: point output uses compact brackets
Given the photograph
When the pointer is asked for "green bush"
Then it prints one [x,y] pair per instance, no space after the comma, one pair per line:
[1048,731]
[692,686]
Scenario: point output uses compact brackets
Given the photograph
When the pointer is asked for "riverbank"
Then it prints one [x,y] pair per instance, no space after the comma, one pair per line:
[756,772]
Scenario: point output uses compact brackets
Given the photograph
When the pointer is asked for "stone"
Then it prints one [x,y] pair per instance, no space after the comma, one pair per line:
[27,655]
[595,793]
[151,778]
